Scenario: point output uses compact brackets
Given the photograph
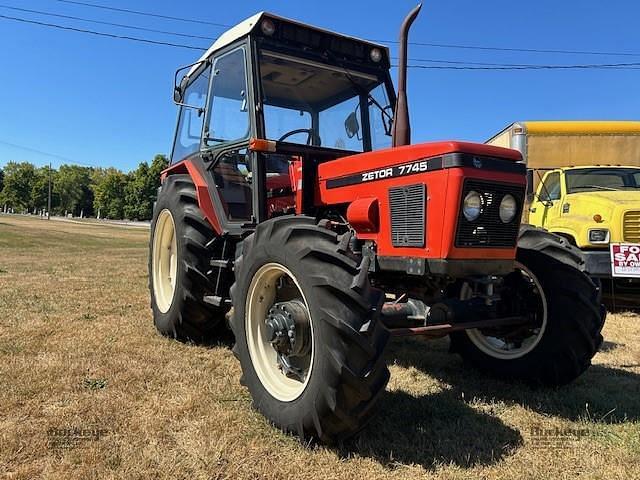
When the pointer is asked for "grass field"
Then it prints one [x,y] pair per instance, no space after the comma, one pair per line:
[89,390]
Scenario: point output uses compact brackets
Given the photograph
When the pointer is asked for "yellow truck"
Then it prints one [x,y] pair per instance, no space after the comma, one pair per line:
[584,184]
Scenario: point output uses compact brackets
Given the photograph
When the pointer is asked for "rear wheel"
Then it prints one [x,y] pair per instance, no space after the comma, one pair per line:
[307,331]
[566,321]
[178,262]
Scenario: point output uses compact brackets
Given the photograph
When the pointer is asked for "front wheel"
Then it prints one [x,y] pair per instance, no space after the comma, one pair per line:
[307,331]
[563,336]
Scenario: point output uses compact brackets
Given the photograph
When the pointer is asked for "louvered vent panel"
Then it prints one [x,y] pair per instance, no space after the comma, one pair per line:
[408,215]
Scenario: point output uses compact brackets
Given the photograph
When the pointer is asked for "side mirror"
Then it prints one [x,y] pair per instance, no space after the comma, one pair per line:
[178,91]
[531,197]
[351,125]
[387,120]
[177,94]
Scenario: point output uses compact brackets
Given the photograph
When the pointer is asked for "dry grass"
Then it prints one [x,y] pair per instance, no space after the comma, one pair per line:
[89,390]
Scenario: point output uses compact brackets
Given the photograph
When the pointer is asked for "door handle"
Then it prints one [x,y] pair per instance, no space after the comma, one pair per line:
[532,209]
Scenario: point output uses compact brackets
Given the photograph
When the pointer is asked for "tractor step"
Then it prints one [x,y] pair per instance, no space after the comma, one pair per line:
[221,263]
[214,300]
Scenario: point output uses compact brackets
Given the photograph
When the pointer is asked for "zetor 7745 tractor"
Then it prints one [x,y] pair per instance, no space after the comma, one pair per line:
[297,212]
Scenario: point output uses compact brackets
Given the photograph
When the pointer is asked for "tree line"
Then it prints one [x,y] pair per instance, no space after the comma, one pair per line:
[82,191]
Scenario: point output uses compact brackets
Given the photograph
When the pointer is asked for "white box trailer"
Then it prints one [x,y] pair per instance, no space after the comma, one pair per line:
[552,144]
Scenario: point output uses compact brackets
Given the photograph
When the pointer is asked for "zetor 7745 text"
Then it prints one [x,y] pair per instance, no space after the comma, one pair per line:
[297,212]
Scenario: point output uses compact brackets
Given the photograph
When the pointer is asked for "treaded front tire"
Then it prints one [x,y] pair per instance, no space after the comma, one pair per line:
[575,318]
[348,371]
[188,318]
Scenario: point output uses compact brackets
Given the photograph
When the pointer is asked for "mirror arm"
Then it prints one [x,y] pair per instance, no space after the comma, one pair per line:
[186,105]
[177,89]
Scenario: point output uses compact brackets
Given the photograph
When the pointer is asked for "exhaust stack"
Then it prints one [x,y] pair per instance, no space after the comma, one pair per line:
[401,133]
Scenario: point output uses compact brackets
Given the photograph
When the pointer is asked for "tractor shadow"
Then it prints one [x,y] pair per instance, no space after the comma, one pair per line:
[603,394]
[442,428]
[431,430]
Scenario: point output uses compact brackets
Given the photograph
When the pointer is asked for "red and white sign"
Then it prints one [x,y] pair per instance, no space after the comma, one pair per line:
[625,260]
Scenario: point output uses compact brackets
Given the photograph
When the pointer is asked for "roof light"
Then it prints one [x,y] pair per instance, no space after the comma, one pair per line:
[268,27]
[376,55]
[597,218]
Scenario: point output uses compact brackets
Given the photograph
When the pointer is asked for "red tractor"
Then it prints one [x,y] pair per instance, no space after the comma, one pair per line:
[297,212]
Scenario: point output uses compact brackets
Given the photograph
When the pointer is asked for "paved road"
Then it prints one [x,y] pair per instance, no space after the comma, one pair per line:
[91,221]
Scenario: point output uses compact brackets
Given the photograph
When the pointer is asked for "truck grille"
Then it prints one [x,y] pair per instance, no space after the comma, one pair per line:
[631,226]
[407,206]
[488,230]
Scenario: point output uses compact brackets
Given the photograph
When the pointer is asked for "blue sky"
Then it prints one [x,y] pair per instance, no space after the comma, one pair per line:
[107,102]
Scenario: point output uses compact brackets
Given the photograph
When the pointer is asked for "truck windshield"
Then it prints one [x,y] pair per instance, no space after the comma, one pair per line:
[322,105]
[602,179]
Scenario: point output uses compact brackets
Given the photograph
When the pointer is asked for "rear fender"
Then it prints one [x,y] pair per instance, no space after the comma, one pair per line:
[202,190]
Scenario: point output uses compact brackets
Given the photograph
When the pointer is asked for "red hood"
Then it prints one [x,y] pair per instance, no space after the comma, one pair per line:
[392,156]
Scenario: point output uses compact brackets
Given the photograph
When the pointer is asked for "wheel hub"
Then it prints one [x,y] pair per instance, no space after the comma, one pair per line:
[279,332]
[288,328]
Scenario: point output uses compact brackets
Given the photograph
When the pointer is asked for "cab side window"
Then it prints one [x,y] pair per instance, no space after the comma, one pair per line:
[550,189]
[228,106]
[190,119]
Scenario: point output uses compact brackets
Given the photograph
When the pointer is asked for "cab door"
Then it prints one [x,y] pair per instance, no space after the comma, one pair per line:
[546,207]
[228,126]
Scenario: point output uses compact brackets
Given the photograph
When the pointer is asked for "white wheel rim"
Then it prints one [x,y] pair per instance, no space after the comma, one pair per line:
[261,297]
[165,261]
[497,347]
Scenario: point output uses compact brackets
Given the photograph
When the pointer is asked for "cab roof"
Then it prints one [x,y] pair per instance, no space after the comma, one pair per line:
[246,26]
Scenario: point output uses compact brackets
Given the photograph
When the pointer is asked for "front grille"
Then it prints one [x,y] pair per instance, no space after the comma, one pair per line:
[488,230]
[631,226]
[407,206]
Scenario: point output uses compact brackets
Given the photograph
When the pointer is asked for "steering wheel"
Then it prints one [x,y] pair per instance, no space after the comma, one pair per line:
[309,131]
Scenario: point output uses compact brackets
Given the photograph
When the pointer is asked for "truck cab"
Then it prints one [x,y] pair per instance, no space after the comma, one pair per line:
[591,206]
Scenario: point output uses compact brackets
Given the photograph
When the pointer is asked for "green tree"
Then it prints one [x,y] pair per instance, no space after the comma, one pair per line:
[109,186]
[1,179]
[18,181]
[73,186]
[142,189]
[40,187]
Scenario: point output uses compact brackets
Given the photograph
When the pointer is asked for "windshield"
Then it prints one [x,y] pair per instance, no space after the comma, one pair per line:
[323,105]
[602,179]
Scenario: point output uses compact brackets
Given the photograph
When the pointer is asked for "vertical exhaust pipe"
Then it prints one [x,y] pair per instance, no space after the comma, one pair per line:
[401,133]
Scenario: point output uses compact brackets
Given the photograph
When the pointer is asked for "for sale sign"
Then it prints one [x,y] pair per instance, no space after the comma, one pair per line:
[625,260]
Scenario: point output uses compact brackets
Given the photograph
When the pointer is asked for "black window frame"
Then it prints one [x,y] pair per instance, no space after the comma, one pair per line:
[383,75]
[192,79]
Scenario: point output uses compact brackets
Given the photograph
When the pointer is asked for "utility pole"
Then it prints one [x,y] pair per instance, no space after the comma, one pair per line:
[49,198]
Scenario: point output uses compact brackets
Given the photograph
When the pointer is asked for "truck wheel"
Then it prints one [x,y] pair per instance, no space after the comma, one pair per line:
[178,262]
[568,315]
[307,331]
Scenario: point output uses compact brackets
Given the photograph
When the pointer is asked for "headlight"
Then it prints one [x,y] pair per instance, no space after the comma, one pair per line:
[508,208]
[599,235]
[472,206]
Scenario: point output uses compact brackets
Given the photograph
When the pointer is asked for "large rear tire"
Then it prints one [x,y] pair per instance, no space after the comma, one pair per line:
[570,318]
[327,390]
[178,262]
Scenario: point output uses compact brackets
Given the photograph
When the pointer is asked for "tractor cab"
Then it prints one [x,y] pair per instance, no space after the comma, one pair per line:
[271,95]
